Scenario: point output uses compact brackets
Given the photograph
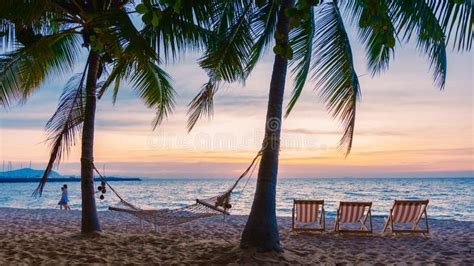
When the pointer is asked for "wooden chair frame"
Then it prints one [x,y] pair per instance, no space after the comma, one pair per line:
[388,225]
[322,217]
[363,221]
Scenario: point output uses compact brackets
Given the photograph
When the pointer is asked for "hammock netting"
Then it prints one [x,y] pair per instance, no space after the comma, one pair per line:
[200,209]
[217,205]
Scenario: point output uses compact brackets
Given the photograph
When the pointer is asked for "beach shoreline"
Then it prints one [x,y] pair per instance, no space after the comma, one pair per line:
[35,236]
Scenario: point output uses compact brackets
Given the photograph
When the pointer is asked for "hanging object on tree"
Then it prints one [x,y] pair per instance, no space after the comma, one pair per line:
[102,190]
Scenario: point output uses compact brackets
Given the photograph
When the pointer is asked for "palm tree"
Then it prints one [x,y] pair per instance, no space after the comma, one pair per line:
[48,38]
[311,36]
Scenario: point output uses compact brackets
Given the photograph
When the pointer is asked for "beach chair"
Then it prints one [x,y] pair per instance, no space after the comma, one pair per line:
[354,213]
[308,215]
[407,212]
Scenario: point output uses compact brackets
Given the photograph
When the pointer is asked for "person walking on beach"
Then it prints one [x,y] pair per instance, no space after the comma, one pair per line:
[63,202]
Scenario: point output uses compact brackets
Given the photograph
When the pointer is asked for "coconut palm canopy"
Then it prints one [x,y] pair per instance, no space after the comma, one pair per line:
[320,49]
[48,37]
[311,36]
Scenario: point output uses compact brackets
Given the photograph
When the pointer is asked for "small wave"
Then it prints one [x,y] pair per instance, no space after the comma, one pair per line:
[171,194]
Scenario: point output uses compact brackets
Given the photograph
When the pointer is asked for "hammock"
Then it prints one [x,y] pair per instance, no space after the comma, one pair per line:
[217,205]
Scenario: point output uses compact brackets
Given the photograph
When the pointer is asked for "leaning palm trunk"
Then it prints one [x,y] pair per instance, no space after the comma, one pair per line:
[90,221]
[261,230]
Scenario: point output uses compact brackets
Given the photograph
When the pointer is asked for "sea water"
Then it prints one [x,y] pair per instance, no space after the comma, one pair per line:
[450,198]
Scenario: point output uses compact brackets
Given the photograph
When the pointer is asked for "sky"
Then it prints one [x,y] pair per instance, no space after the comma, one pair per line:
[405,126]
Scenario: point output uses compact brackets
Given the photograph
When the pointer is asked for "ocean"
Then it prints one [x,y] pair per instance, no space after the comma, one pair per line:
[450,198]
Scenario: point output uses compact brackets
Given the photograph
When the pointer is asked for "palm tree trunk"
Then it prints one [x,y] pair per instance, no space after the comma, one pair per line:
[261,230]
[90,221]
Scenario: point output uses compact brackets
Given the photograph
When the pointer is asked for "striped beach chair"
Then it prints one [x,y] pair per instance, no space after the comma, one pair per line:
[308,215]
[407,212]
[354,213]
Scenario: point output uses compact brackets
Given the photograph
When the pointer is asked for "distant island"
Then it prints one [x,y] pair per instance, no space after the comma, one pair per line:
[25,175]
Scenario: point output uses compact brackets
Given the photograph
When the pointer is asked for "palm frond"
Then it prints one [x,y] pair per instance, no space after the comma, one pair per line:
[174,36]
[227,55]
[24,69]
[263,24]
[228,51]
[120,68]
[417,18]
[202,104]
[153,86]
[32,18]
[126,34]
[456,19]
[151,82]
[376,30]
[26,11]
[301,40]
[65,125]
[178,32]
[10,83]
[334,71]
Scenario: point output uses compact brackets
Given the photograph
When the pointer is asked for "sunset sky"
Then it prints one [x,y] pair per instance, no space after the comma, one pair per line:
[405,126]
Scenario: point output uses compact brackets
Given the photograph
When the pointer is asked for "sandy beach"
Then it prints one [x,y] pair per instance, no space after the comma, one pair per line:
[52,236]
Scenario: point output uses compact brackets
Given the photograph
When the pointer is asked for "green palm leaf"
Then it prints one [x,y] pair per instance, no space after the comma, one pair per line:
[202,104]
[457,21]
[263,26]
[227,55]
[178,32]
[301,40]
[65,125]
[26,11]
[376,31]
[417,18]
[154,87]
[334,71]
[24,69]
[150,81]
[120,68]
[137,63]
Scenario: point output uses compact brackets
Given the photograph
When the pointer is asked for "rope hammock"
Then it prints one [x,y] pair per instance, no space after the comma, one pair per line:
[216,205]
